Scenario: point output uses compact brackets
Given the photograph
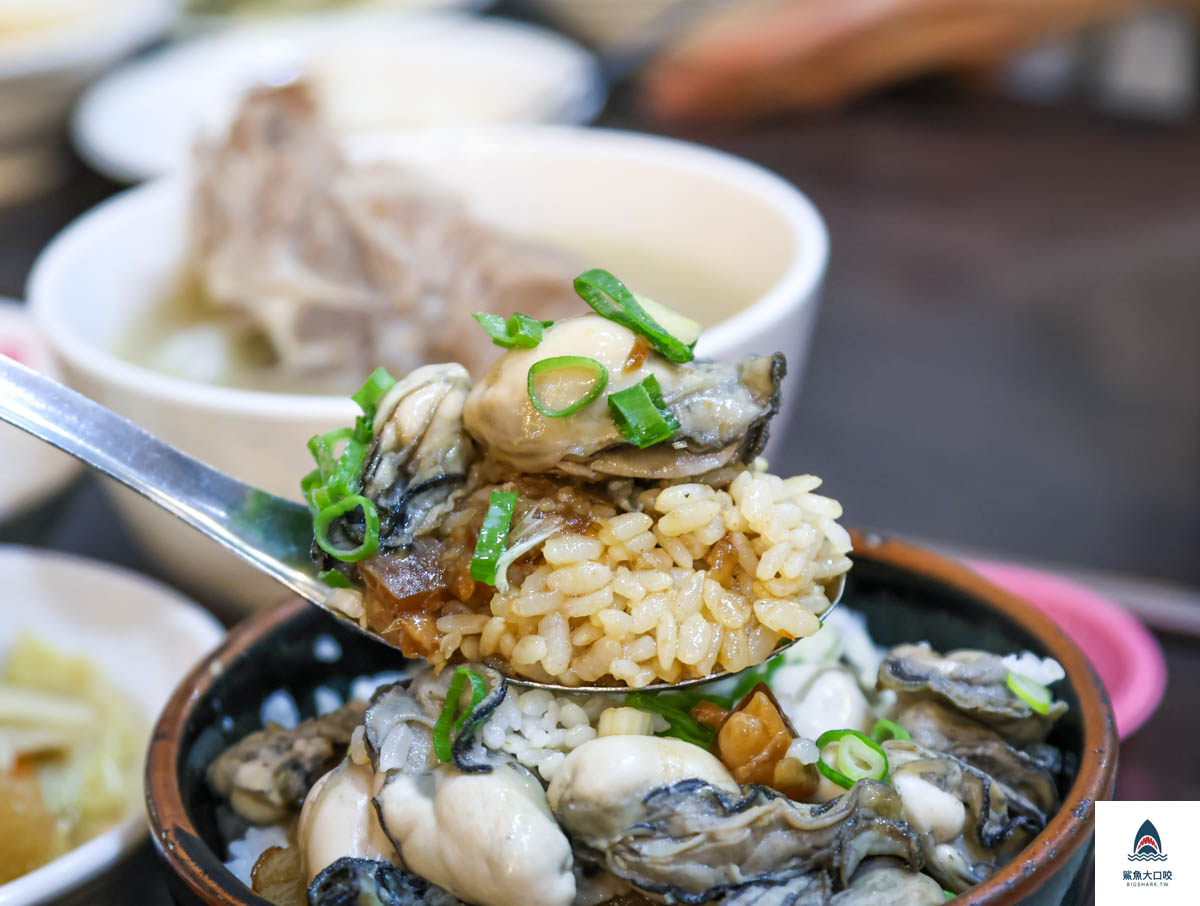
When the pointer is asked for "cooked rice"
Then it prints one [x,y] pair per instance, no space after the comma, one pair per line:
[538,728]
[699,579]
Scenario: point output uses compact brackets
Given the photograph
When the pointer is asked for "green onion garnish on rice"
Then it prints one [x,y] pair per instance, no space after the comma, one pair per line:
[447,726]
[885,729]
[519,331]
[538,370]
[858,758]
[611,299]
[331,489]
[489,548]
[641,415]
[1034,694]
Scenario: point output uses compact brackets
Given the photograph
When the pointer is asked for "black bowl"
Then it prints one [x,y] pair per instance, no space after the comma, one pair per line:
[906,594]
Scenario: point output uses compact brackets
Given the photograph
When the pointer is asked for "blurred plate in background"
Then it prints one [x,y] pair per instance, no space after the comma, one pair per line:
[203,15]
[371,72]
[49,49]
[30,471]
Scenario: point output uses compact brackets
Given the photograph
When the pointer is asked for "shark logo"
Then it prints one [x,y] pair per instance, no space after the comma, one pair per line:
[1147,845]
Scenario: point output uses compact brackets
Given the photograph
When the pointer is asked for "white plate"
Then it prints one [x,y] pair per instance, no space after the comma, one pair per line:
[29,470]
[144,636]
[372,71]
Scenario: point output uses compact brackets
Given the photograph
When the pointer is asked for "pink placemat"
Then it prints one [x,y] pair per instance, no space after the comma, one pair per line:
[1128,659]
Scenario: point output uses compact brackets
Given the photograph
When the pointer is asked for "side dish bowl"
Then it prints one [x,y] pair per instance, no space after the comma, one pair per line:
[106,614]
[906,594]
[610,198]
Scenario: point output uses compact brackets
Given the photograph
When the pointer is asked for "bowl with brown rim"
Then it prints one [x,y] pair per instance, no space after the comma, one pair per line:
[906,594]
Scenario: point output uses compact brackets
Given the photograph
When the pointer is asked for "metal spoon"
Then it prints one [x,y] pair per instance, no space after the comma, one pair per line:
[272,534]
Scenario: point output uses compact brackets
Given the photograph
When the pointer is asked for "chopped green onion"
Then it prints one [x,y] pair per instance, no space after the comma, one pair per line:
[518,331]
[676,708]
[858,758]
[611,299]
[490,546]
[331,489]
[640,413]
[566,363]
[370,542]
[948,894]
[447,727]
[885,729]
[1032,693]
[371,392]
[334,579]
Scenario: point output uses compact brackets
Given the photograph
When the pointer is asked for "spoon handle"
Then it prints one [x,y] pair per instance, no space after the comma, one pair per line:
[271,533]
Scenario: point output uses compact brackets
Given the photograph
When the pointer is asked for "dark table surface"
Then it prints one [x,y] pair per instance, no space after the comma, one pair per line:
[1006,357]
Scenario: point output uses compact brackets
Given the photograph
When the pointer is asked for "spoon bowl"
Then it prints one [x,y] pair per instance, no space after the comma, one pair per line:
[833,591]
[270,533]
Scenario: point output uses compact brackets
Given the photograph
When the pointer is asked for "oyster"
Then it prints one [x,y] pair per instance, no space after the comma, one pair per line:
[970,822]
[971,681]
[886,882]
[399,723]
[803,890]
[421,453]
[723,408]
[597,791]
[339,819]
[942,729]
[487,838]
[692,842]
[364,882]
[398,732]
[266,775]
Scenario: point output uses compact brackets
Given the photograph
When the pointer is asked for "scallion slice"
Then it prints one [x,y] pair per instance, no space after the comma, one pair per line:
[331,489]
[676,708]
[858,758]
[370,542]
[447,726]
[566,363]
[611,299]
[371,392]
[334,579]
[1034,694]
[490,546]
[641,415]
[518,331]
[885,729]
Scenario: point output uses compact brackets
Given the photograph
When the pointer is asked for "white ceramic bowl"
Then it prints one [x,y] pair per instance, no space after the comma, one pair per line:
[43,67]
[370,70]
[611,197]
[143,636]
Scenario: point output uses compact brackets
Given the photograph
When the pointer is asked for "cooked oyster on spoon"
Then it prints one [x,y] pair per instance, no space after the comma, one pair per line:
[592,514]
